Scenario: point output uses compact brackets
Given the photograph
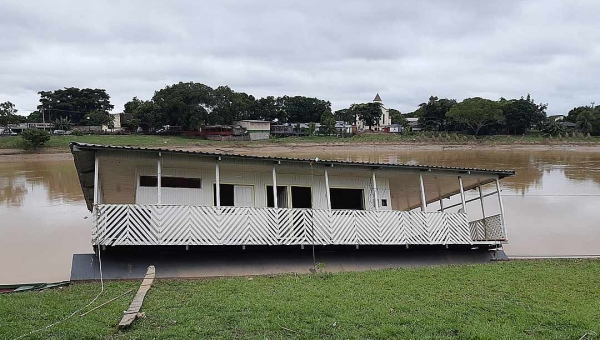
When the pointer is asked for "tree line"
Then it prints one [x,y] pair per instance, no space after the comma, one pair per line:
[504,116]
[191,105]
[481,116]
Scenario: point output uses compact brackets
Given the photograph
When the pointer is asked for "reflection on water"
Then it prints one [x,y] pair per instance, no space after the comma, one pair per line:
[43,220]
[55,178]
[551,205]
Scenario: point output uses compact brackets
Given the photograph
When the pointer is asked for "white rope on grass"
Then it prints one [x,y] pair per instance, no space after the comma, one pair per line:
[75,312]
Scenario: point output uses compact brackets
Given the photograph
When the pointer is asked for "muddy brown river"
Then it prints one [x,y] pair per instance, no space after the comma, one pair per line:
[552,206]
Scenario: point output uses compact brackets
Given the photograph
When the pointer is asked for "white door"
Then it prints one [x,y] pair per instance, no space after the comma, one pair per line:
[243,196]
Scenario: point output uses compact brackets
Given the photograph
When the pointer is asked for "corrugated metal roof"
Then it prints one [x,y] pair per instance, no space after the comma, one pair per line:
[500,173]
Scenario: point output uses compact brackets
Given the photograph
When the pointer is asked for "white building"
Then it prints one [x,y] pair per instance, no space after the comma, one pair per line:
[257,129]
[149,197]
[384,121]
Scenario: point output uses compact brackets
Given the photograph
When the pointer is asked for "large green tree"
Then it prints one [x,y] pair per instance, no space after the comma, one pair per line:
[369,113]
[34,117]
[230,106]
[522,114]
[476,113]
[345,115]
[73,103]
[299,109]
[140,113]
[8,114]
[432,114]
[98,117]
[268,108]
[574,112]
[183,104]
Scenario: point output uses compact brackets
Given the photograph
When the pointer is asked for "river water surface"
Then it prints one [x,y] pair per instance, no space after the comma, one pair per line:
[552,206]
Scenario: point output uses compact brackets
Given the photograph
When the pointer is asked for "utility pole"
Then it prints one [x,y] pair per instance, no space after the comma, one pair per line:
[43,119]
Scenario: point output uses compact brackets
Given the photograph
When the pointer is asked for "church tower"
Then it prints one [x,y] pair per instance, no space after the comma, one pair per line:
[384,120]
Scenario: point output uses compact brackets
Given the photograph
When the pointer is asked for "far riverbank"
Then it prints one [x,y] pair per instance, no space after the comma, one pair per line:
[290,149]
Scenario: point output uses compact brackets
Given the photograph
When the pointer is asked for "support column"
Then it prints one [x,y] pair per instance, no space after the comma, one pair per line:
[375,195]
[462,195]
[275,188]
[327,190]
[218,184]
[441,204]
[481,200]
[96,180]
[485,227]
[501,209]
[159,179]
[423,201]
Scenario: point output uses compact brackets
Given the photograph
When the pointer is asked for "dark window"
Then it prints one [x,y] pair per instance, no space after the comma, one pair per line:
[226,195]
[282,197]
[181,182]
[346,199]
[384,202]
[148,181]
[301,197]
[171,182]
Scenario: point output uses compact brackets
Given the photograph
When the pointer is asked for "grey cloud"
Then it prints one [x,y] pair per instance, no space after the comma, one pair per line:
[342,51]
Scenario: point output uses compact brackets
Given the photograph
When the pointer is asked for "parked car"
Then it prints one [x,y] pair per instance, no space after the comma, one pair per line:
[7,132]
[61,132]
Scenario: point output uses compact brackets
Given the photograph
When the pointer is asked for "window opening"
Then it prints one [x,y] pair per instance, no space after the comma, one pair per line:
[347,199]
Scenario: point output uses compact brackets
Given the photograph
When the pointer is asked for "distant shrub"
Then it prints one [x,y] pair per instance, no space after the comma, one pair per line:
[35,138]
[77,132]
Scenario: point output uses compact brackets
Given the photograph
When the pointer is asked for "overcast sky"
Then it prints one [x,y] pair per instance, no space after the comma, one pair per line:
[341,51]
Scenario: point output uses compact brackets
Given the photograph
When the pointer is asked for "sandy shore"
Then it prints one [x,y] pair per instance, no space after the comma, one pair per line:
[12,155]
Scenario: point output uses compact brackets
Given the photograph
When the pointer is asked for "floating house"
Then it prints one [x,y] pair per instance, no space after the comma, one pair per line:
[153,197]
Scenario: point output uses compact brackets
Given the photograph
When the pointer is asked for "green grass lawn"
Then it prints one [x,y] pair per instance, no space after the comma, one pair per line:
[509,300]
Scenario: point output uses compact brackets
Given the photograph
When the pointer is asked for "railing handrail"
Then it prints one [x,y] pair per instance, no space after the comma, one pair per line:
[273,208]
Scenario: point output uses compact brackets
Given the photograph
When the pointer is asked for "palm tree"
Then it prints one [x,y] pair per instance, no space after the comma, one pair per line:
[62,123]
[585,121]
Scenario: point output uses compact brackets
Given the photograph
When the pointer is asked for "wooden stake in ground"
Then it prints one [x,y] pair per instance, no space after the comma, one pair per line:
[134,308]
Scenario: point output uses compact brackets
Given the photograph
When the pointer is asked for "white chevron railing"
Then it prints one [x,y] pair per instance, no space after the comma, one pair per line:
[123,224]
[487,229]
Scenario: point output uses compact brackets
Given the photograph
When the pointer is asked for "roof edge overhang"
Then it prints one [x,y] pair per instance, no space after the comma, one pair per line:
[76,147]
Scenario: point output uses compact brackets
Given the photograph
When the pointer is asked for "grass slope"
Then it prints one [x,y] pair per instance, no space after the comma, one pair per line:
[513,300]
